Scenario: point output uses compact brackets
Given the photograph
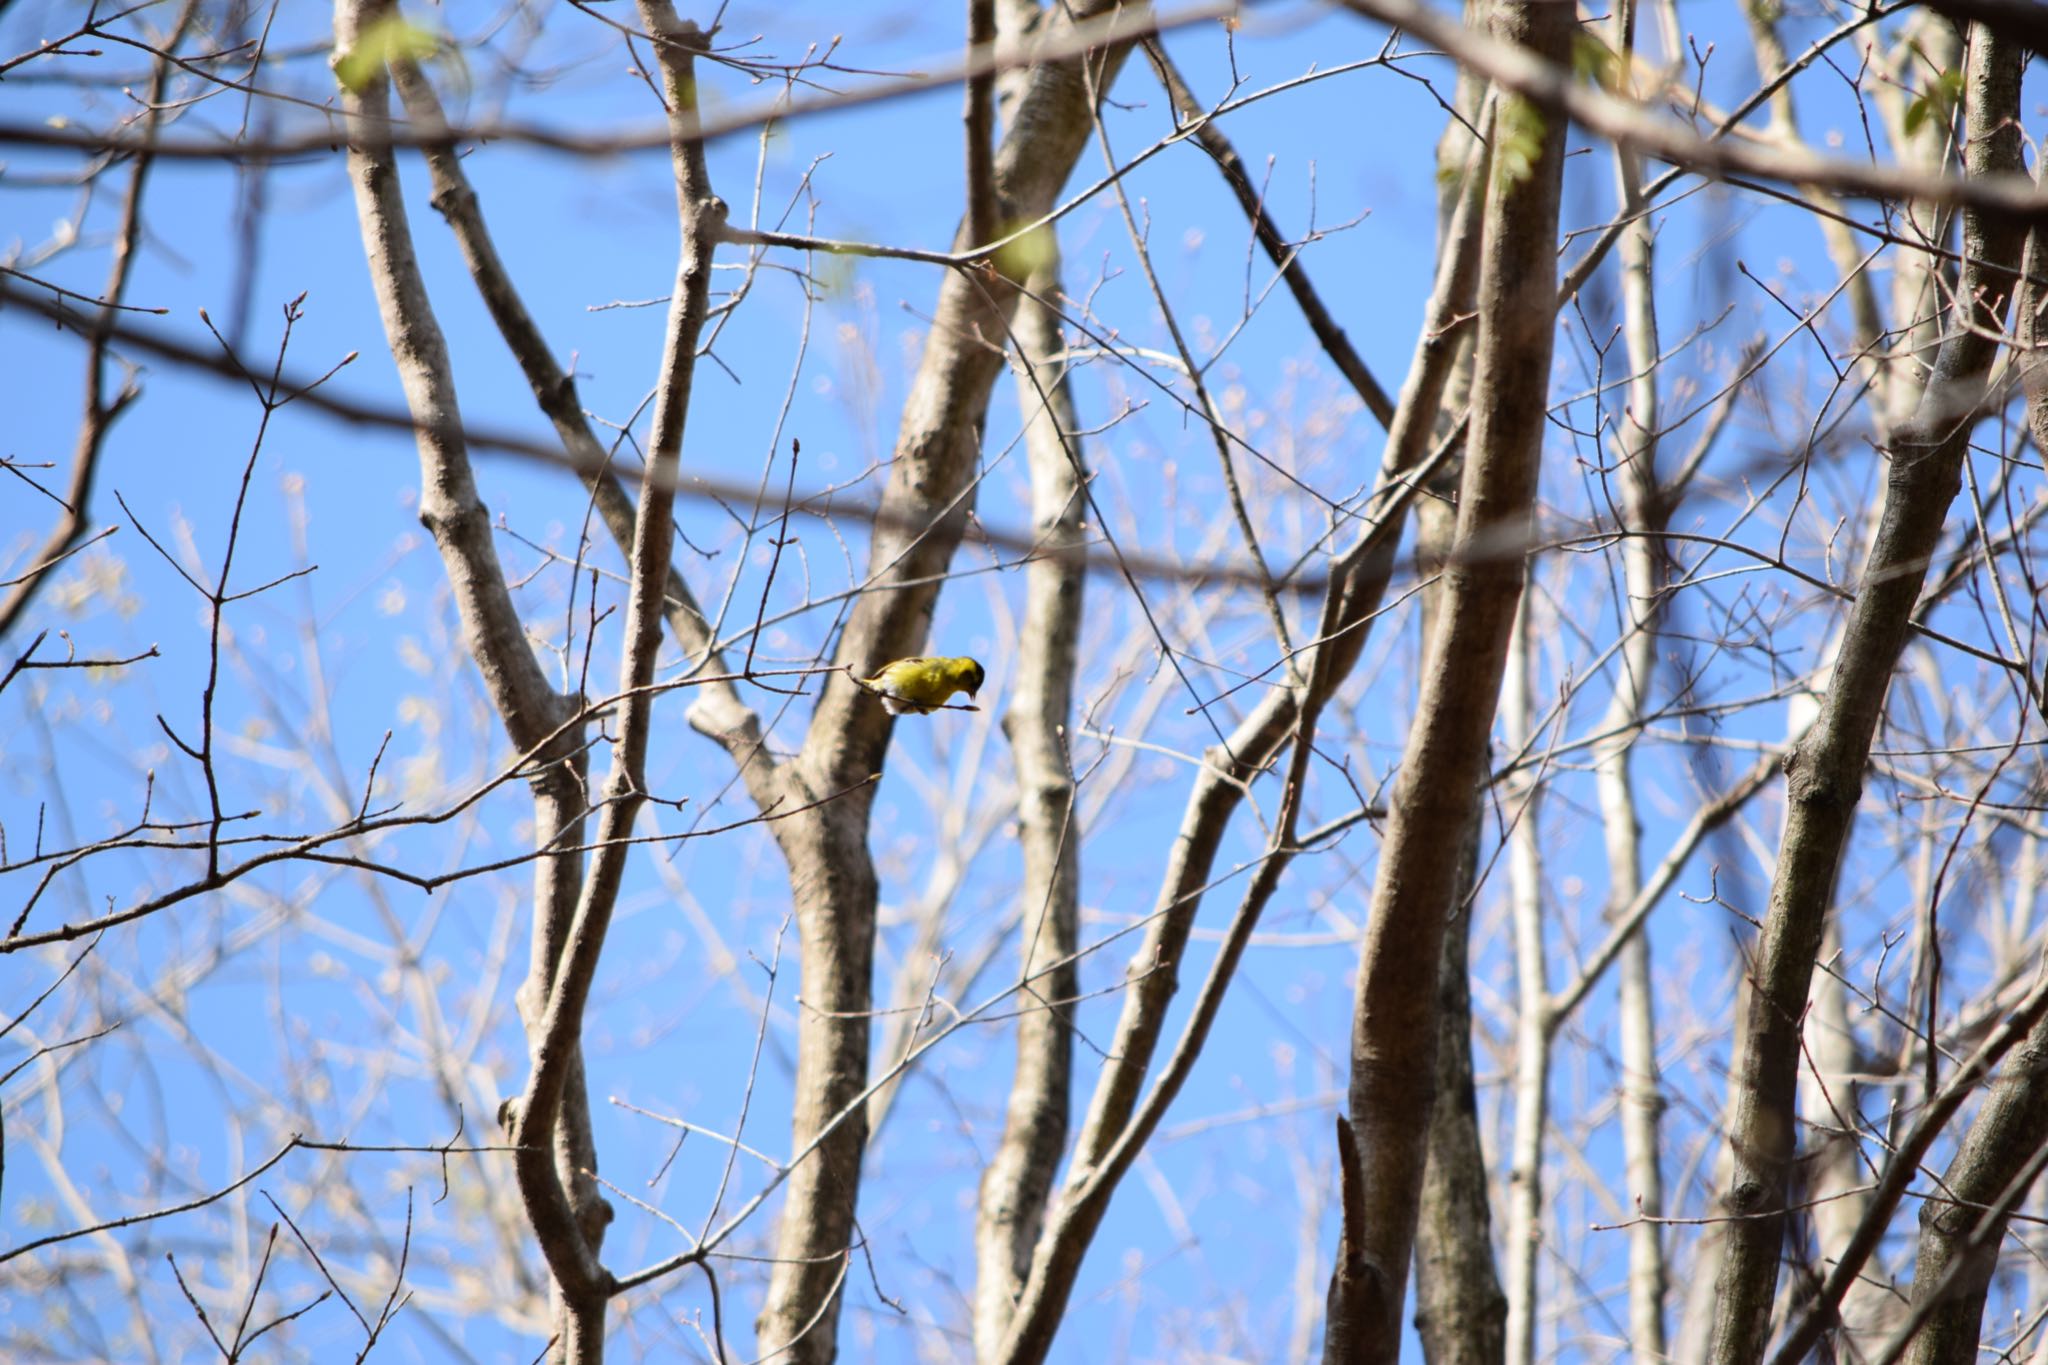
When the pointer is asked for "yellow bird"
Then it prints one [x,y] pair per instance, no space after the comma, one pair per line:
[923,684]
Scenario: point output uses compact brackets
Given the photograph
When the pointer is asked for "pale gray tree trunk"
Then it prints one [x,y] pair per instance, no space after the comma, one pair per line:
[1019,1177]
[549,1122]
[1532,998]
[1641,511]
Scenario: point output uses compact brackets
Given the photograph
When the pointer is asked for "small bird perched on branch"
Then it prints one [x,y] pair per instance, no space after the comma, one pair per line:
[924,684]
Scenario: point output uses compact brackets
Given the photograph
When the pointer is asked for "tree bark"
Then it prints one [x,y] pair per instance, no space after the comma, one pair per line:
[1393,1071]
[1824,772]
[1460,1308]
[938,450]
[1460,1311]
[1985,1183]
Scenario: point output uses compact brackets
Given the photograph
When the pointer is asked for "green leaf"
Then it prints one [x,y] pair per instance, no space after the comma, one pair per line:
[1594,62]
[1520,144]
[1938,101]
[391,39]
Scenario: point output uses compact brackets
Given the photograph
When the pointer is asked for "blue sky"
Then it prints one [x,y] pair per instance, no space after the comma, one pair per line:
[297,1001]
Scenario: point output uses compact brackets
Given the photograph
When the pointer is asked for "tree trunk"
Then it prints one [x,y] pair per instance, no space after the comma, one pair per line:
[1393,1053]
